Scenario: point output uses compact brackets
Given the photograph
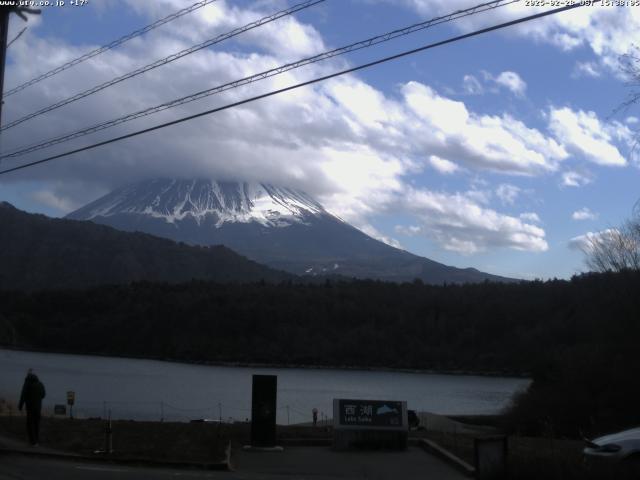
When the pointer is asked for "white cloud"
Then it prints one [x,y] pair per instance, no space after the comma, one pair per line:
[446,128]
[50,199]
[573,178]
[286,37]
[362,183]
[472,85]
[530,217]
[507,193]
[344,141]
[583,133]
[459,224]
[375,233]
[607,31]
[586,69]
[584,214]
[631,120]
[512,81]
[309,138]
[585,242]
[409,231]
[479,195]
[443,165]
[490,83]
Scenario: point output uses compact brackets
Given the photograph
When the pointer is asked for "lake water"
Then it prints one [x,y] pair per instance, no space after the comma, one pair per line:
[149,389]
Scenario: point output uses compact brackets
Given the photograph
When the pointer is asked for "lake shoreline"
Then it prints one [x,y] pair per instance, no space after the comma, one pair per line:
[458,372]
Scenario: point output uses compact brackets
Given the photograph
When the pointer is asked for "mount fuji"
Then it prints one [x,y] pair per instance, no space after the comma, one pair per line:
[280,227]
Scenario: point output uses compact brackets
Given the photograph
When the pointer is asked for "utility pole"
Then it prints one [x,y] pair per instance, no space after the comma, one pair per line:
[5,12]
[4,32]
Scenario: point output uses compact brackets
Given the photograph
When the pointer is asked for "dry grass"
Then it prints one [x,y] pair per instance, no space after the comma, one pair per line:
[146,440]
[197,442]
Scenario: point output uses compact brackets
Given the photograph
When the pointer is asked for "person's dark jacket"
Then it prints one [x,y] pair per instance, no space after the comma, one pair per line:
[32,394]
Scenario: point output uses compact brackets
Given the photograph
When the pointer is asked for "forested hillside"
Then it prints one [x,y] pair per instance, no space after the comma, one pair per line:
[38,252]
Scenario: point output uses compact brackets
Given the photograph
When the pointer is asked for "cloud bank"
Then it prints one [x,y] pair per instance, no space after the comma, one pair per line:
[345,141]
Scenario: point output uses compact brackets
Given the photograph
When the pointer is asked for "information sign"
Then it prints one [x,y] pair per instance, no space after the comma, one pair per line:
[370,414]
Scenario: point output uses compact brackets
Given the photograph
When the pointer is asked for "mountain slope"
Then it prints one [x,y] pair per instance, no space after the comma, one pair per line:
[280,227]
[38,252]
[205,201]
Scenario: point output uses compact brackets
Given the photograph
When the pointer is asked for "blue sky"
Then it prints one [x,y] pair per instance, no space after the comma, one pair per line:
[498,152]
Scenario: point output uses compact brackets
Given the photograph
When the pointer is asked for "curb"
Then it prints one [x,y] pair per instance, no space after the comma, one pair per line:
[220,466]
[447,456]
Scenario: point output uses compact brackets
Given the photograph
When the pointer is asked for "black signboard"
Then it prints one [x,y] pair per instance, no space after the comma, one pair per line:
[370,413]
[59,409]
[263,410]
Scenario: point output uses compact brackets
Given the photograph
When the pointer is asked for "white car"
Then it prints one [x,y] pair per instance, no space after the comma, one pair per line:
[615,451]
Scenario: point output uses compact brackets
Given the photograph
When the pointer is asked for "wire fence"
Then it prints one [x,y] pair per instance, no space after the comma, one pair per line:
[287,413]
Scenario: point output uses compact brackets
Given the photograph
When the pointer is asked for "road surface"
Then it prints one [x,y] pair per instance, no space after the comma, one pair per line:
[22,467]
[315,463]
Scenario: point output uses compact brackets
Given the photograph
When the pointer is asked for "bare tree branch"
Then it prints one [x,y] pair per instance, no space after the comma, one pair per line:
[614,249]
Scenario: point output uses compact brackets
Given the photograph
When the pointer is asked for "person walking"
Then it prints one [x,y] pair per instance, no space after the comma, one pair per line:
[32,394]
[315,416]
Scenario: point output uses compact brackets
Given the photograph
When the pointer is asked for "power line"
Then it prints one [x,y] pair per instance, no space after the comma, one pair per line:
[16,38]
[260,76]
[296,86]
[109,46]
[164,61]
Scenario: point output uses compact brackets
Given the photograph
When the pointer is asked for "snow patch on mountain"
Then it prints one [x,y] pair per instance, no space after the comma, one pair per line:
[224,202]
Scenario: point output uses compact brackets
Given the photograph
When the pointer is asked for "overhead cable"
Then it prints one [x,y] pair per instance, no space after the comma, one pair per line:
[109,46]
[296,86]
[369,42]
[16,37]
[164,61]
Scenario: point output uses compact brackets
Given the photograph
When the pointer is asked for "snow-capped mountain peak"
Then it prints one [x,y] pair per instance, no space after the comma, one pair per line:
[222,202]
[248,218]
